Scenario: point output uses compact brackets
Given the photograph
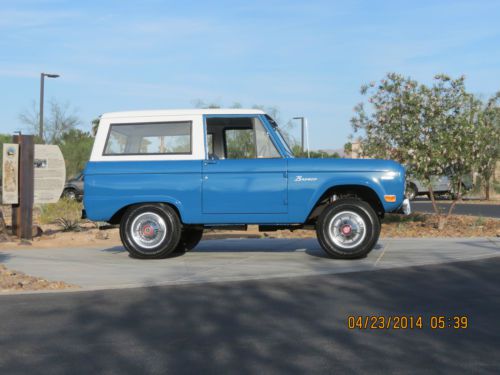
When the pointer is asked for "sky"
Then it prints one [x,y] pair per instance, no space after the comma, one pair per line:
[307,58]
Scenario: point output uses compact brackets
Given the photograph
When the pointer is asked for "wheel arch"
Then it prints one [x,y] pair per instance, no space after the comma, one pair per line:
[118,215]
[363,192]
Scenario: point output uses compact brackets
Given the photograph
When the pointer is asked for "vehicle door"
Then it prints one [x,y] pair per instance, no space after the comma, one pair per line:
[249,174]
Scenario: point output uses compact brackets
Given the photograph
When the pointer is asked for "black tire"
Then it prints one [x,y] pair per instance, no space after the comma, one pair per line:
[362,213]
[70,194]
[150,231]
[411,191]
[190,237]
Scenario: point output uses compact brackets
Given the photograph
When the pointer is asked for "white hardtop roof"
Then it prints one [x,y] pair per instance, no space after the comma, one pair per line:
[181,112]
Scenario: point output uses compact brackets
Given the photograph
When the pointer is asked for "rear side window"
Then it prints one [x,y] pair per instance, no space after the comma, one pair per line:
[149,139]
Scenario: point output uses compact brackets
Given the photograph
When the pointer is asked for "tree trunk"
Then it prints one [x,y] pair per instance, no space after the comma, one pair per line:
[433,200]
[487,189]
[441,219]
[458,197]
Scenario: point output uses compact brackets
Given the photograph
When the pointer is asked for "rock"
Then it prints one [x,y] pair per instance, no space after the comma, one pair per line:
[102,235]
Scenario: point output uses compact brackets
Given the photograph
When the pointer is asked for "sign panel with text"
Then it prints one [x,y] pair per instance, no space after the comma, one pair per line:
[50,173]
[10,174]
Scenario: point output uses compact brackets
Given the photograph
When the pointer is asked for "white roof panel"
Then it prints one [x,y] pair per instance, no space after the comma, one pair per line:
[181,112]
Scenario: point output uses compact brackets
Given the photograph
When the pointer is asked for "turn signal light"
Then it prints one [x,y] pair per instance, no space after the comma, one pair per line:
[390,198]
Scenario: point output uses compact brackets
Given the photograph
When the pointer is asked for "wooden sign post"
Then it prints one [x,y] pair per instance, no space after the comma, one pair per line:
[22,212]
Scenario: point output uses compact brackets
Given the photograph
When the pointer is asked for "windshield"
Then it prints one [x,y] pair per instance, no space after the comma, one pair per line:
[280,135]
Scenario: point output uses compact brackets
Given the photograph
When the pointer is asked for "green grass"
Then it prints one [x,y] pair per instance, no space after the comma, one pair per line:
[66,213]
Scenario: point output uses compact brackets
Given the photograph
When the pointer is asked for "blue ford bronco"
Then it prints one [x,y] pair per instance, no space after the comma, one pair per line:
[166,175]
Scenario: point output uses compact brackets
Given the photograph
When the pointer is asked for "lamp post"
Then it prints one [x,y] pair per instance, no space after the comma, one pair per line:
[42,78]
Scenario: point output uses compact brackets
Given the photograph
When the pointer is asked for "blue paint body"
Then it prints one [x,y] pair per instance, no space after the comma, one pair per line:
[243,191]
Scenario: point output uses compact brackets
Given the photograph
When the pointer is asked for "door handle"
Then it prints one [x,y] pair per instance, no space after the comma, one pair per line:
[210,162]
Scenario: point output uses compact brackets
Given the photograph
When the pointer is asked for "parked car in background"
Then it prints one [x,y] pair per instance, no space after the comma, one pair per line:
[74,188]
[441,185]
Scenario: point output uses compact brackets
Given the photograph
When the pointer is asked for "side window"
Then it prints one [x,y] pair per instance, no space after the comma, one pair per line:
[249,142]
[240,143]
[264,145]
[149,138]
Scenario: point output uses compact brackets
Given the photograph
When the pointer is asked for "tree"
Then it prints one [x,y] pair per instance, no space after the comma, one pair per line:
[95,126]
[76,147]
[348,148]
[487,140]
[60,119]
[313,154]
[428,129]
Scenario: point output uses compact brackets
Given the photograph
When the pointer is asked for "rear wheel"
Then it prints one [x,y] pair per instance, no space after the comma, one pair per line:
[190,237]
[347,229]
[150,231]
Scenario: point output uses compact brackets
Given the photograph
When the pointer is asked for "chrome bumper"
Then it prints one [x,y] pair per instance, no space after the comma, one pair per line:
[405,208]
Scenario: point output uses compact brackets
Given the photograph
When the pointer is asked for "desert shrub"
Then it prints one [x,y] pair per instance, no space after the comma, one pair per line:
[479,222]
[66,213]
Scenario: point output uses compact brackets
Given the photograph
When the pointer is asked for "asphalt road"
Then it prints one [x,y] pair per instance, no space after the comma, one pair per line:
[488,210]
[289,325]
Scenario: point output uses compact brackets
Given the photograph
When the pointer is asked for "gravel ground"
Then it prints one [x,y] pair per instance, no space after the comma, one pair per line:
[18,281]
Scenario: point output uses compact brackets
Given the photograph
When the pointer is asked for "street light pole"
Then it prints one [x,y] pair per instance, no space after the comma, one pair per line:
[42,79]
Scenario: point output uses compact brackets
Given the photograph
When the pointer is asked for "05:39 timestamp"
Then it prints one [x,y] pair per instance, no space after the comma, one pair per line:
[441,322]
[373,322]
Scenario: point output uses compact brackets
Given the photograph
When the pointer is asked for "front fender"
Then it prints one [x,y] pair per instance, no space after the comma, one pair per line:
[338,181]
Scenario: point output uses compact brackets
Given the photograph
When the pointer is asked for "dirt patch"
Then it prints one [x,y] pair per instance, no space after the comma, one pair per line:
[53,237]
[426,225]
[14,281]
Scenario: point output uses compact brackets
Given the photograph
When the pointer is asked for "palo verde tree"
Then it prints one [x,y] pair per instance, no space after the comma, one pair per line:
[487,140]
[429,129]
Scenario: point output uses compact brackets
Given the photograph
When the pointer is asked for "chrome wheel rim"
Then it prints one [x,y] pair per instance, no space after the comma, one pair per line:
[148,230]
[71,195]
[347,229]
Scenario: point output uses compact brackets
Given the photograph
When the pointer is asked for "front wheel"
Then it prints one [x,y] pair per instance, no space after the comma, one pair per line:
[348,229]
[150,231]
